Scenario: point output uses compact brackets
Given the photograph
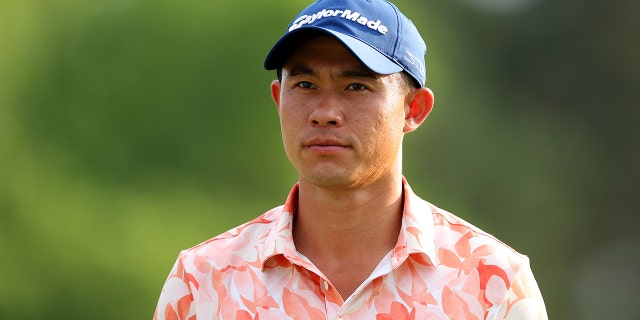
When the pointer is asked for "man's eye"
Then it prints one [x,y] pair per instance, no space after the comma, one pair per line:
[305,85]
[356,86]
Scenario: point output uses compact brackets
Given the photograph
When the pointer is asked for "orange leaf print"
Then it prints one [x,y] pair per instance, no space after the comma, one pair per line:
[454,306]
[243,315]
[421,259]
[191,279]
[202,264]
[487,270]
[449,259]
[298,308]
[419,289]
[415,232]
[376,286]
[170,314]
[398,312]
[485,273]
[184,304]
[218,285]
[463,248]
[261,296]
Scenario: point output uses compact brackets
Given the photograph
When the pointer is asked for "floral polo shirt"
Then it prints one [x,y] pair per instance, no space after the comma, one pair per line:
[441,268]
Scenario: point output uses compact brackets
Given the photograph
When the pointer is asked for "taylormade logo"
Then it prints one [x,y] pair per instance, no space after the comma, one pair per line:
[344,14]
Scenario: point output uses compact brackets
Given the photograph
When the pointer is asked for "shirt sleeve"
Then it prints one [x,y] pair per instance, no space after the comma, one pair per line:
[523,300]
[176,299]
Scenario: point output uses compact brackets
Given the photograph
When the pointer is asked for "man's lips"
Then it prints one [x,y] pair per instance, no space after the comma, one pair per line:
[325,144]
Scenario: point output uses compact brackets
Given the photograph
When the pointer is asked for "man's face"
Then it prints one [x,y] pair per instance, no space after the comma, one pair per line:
[342,124]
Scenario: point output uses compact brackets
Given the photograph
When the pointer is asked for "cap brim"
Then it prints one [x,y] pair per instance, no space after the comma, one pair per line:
[369,56]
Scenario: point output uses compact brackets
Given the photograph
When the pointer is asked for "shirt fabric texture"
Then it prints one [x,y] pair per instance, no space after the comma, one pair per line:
[441,268]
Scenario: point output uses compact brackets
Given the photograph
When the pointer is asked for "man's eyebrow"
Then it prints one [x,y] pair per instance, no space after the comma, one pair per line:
[352,73]
[300,70]
[360,73]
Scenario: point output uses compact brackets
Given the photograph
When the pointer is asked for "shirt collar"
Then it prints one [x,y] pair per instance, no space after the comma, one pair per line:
[417,233]
[279,240]
[416,236]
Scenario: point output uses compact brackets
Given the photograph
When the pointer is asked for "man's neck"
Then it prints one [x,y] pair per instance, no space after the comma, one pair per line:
[346,233]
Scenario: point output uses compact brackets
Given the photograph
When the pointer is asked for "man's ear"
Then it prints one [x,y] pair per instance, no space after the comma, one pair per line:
[417,107]
[275,93]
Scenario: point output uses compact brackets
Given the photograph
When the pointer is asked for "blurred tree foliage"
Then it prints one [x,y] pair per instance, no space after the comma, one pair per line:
[130,130]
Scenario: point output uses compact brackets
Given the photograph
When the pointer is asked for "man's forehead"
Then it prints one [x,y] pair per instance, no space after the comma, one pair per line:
[360,71]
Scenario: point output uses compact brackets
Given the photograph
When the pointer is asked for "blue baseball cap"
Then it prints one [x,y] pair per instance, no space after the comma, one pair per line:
[375,31]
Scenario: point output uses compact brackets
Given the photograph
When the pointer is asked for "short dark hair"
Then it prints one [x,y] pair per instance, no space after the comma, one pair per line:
[410,81]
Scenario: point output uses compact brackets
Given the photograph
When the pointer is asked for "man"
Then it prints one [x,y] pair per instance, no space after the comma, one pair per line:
[352,241]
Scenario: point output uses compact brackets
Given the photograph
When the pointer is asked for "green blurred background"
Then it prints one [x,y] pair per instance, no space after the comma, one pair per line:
[132,129]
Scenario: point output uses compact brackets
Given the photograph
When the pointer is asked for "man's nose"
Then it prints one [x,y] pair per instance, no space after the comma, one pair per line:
[326,112]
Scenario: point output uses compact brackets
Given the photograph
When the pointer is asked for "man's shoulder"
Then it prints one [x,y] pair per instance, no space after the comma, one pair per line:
[455,237]
[450,232]
[239,240]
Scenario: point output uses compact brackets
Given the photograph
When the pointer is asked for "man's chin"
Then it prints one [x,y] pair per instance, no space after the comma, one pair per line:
[330,179]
